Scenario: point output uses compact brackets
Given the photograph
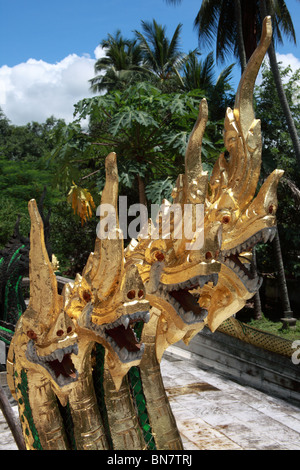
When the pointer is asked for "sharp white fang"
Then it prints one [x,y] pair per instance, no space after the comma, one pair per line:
[147,317]
[189,317]
[59,354]
[125,322]
[123,354]
[204,313]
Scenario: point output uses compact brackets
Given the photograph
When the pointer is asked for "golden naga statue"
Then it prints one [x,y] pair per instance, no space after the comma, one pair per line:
[246,219]
[105,303]
[192,288]
[40,365]
[206,286]
[98,347]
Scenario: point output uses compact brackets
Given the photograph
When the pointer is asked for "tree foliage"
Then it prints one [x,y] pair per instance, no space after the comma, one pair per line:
[216,24]
[121,64]
[278,152]
[148,129]
[151,92]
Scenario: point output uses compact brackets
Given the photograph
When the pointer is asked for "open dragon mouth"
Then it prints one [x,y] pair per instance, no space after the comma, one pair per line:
[231,258]
[121,335]
[183,300]
[59,363]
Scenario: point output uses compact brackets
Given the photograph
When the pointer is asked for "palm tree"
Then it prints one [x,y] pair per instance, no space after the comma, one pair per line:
[200,74]
[162,56]
[214,19]
[120,66]
[240,36]
[279,86]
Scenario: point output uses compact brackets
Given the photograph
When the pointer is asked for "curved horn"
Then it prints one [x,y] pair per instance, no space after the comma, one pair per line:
[111,189]
[242,134]
[195,179]
[44,297]
[193,164]
[243,106]
[105,265]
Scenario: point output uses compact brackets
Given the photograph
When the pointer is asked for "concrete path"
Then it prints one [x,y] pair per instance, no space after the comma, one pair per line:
[214,413]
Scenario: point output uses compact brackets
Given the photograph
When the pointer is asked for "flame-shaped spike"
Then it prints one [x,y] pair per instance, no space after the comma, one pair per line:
[105,265]
[242,135]
[195,179]
[267,195]
[111,189]
[243,107]
[193,164]
[44,297]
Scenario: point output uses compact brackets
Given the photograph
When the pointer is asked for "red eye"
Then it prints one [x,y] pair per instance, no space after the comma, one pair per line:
[86,296]
[208,255]
[159,256]
[271,209]
[226,219]
[60,332]
[140,293]
[31,334]
[131,294]
[69,329]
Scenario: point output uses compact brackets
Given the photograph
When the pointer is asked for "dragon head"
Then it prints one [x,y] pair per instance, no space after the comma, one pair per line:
[179,254]
[247,218]
[234,221]
[108,300]
[45,337]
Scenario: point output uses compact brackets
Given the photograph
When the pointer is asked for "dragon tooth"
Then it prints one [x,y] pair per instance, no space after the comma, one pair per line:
[59,353]
[272,236]
[147,317]
[181,311]
[215,278]
[203,314]
[189,317]
[123,354]
[125,322]
[265,236]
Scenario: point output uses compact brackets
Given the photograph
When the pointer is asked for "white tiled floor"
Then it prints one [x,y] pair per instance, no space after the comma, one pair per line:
[224,415]
[214,413]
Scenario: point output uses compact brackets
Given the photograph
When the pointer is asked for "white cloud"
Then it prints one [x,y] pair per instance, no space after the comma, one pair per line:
[99,52]
[36,90]
[285,60]
[289,59]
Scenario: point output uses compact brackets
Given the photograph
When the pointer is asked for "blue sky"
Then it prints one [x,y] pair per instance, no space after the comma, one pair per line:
[48,49]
